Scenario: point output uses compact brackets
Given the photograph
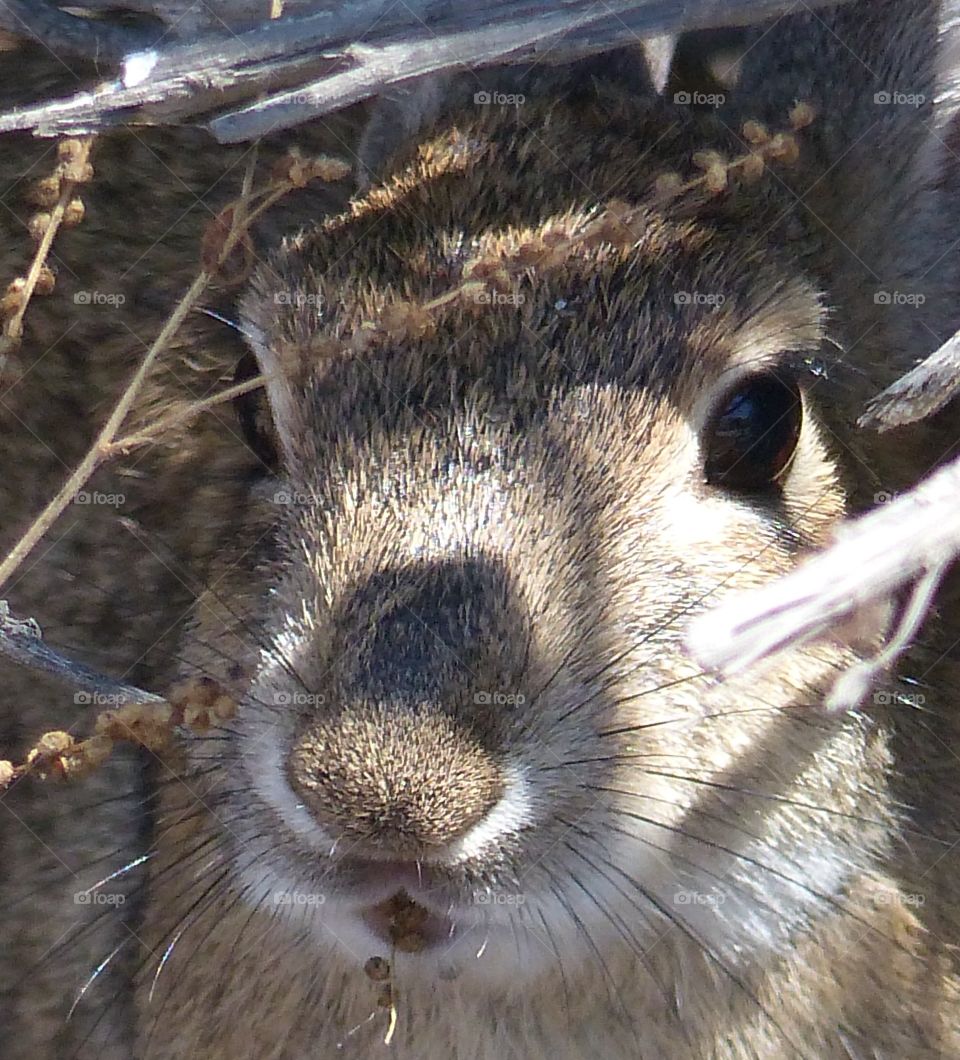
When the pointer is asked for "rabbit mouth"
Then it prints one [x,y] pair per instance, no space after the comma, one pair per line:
[408,926]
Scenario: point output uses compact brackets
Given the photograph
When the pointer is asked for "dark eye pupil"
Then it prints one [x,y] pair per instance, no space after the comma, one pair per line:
[752,437]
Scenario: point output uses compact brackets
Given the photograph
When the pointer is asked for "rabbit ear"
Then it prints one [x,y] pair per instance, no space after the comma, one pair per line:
[395,119]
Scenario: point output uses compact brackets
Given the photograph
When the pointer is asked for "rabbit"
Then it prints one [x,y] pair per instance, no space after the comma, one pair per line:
[569,368]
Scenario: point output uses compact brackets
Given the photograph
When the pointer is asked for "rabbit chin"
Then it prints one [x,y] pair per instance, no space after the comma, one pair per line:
[496,948]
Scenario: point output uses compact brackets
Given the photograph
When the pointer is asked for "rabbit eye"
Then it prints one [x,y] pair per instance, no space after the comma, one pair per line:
[752,436]
[253,414]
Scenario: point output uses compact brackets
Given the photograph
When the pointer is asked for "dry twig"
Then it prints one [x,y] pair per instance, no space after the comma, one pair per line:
[311,62]
[226,232]
[920,393]
[913,537]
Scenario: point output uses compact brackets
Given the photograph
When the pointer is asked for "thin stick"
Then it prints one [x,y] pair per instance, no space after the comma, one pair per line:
[97,452]
[123,446]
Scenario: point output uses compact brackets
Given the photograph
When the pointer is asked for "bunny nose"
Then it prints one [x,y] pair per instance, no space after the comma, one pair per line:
[404,756]
[397,784]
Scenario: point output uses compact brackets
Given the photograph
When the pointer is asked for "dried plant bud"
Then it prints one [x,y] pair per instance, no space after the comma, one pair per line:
[751,167]
[70,150]
[44,192]
[46,281]
[44,757]
[200,702]
[667,186]
[51,743]
[405,320]
[13,297]
[294,169]
[324,167]
[74,161]
[376,968]
[38,225]
[802,115]
[77,172]
[784,148]
[715,179]
[708,159]
[298,173]
[149,724]
[73,213]
[85,757]
[755,132]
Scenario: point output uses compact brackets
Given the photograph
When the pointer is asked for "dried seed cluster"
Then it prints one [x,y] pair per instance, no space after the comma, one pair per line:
[226,247]
[58,207]
[618,225]
[198,704]
[765,148]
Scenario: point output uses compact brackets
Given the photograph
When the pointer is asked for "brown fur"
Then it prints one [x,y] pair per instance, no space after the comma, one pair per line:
[506,497]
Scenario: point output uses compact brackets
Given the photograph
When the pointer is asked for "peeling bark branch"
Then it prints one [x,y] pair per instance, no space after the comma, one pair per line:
[22,642]
[338,54]
[913,537]
[919,393]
